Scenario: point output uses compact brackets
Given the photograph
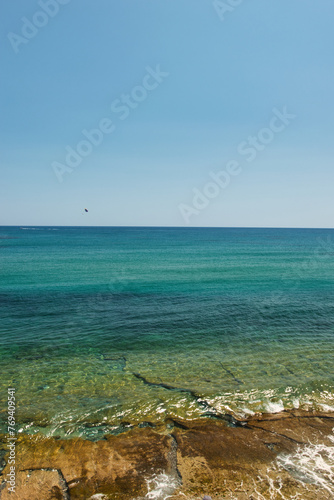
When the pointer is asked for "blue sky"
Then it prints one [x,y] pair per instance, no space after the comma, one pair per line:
[222,78]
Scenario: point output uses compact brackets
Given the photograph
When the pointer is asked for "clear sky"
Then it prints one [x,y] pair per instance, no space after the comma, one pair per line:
[209,114]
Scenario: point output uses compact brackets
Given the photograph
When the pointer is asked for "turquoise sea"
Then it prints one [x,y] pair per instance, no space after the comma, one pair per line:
[107,327]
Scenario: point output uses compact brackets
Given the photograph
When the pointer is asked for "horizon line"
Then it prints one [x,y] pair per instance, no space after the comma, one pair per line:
[168,227]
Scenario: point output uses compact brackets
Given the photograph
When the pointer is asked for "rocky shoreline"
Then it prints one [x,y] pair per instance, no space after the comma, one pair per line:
[269,456]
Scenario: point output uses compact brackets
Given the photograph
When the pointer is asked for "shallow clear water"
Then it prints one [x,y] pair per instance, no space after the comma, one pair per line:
[106,327]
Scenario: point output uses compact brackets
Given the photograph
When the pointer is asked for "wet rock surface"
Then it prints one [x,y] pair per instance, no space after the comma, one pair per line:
[220,458]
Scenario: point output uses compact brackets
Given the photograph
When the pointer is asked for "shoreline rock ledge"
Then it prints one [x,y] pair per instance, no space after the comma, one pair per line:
[253,459]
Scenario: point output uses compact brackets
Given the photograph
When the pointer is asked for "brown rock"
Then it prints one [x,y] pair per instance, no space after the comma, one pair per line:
[214,458]
[37,484]
[301,427]
[115,466]
[219,461]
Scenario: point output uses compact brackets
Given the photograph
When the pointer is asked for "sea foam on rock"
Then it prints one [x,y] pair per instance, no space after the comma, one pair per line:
[261,457]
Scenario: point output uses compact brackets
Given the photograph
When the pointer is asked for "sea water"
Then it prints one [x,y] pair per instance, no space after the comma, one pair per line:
[103,328]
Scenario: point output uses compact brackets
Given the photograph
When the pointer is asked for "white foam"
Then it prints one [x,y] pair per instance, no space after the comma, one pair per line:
[247,411]
[296,403]
[313,463]
[272,407]
[161,486]
[327,407]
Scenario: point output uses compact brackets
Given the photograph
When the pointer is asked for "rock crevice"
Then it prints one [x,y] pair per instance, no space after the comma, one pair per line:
[63,482]
[207,456]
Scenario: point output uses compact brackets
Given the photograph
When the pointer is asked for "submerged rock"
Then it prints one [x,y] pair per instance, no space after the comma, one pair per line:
[115,362]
